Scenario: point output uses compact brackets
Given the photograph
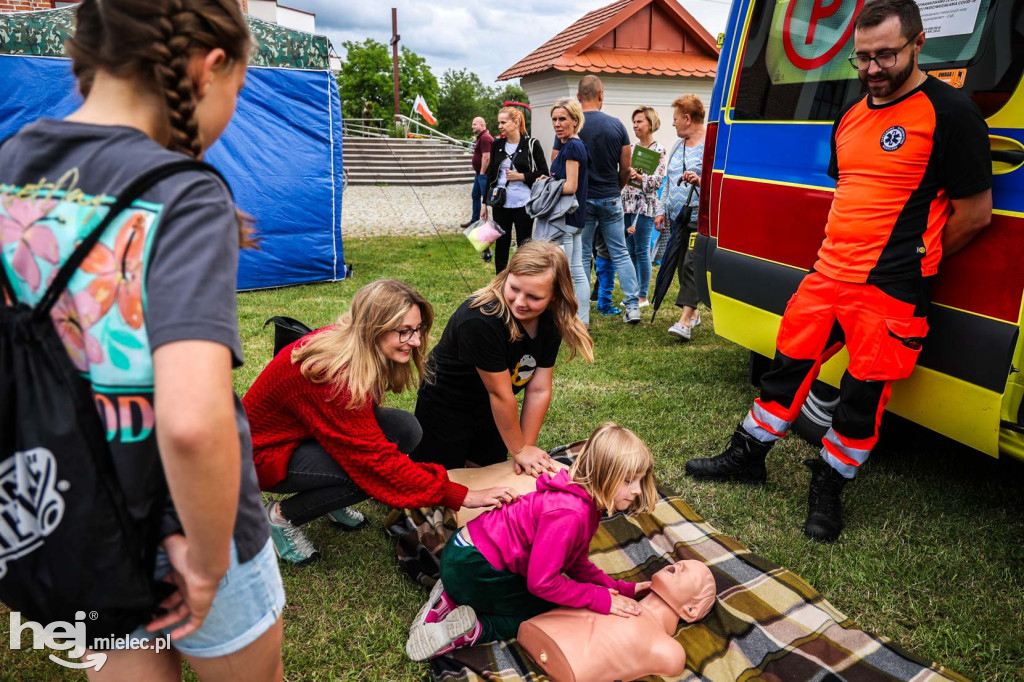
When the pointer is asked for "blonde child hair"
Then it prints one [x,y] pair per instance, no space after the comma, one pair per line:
[612,455]
[349,352]
[537,258]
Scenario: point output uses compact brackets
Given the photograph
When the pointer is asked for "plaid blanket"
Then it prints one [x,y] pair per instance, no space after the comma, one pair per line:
[768,624]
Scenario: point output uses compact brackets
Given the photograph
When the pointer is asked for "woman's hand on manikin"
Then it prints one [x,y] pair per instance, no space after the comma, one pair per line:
[533,461]
[490,497]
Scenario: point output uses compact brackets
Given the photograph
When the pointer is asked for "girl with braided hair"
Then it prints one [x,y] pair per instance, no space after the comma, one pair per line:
[150,320]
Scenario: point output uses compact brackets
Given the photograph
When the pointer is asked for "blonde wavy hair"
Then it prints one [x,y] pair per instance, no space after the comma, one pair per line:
[612,455]
[538,258]
[349,353]
[573,108]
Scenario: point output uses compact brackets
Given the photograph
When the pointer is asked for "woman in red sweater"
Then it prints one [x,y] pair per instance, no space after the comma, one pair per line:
[319,430]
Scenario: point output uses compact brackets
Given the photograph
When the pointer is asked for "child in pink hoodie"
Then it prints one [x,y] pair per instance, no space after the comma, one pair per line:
[528,557]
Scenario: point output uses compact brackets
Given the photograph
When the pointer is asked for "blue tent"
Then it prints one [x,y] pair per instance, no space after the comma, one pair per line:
[281,154]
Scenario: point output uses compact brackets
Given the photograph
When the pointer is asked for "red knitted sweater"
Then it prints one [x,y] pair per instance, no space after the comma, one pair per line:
[285,409]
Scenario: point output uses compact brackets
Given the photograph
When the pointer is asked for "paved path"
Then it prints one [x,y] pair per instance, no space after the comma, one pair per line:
[371,210]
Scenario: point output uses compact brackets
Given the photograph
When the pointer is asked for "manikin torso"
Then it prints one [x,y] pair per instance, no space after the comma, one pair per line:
[578,645]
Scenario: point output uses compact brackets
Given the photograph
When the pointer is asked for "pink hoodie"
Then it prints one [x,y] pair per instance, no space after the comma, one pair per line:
[544,535]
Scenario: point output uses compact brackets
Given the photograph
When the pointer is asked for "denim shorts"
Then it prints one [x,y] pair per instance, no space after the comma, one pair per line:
[249,601]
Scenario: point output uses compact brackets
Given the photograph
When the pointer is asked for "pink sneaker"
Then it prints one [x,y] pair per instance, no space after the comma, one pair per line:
[460,628]
[438,605]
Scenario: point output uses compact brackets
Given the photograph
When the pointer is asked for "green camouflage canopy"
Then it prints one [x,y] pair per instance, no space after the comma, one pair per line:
[43,34]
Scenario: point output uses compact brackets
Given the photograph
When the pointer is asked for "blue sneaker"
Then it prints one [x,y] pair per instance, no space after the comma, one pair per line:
[290,542]
[346,519]
[609,310]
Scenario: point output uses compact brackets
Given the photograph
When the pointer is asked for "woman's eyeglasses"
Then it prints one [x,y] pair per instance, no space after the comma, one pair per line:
[885,60]
[407,333]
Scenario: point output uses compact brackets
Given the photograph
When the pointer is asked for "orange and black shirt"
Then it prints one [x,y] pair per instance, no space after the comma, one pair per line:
[897,166]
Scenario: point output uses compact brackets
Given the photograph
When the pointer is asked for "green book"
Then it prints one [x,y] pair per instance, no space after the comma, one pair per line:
[644,160]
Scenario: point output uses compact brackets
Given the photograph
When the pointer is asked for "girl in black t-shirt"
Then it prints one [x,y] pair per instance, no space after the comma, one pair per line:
[502,340]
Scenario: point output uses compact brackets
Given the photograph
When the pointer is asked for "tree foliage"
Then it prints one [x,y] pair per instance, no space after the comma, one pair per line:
[366,76]
[463,97]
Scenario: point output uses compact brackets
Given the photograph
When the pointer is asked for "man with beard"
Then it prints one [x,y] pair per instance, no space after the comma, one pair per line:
[914,175]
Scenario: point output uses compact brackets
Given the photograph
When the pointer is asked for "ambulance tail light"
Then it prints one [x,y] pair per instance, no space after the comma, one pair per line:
[706,190]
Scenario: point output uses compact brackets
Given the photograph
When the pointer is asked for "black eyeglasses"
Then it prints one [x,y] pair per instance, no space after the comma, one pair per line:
[885,60]
[407,333]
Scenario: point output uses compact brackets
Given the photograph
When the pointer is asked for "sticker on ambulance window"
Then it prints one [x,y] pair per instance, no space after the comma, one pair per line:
[953,77]
[943,18]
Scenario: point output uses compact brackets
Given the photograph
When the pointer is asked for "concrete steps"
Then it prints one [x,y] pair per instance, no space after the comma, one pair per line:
[372,161]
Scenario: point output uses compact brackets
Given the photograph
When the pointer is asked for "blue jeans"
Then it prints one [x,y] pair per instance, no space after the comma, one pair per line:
[605,282]
[638,245]
[571,244]
[479,187]
[606,215]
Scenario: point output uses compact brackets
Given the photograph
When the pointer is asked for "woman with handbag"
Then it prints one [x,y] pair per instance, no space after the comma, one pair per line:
[516,161]
[640,198]
[685,162]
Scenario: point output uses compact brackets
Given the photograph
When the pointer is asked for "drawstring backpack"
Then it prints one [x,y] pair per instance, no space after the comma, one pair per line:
[67,543]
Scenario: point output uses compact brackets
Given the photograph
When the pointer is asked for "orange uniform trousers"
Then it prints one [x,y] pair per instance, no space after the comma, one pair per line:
[882,326]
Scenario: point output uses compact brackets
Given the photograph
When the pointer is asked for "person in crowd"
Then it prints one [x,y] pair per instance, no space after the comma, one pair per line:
[869,288]
[684,164]
[604,282]
[319,429]
[517,160]
[570,164]
[607,144]
[640,198]
[153,321]
[502,340]
[509,565]
[481,161]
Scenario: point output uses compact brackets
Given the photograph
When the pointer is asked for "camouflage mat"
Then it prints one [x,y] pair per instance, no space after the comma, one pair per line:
[768,624]
[43,33]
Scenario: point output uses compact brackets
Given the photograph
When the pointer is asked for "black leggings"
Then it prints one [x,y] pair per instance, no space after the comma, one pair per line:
[480,443]
[506,218]
[321,485]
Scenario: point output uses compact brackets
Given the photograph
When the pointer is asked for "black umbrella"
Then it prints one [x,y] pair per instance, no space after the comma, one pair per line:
[673,252]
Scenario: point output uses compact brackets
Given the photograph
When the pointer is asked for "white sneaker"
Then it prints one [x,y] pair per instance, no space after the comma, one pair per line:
[680,332]
[643,304]
[695,321]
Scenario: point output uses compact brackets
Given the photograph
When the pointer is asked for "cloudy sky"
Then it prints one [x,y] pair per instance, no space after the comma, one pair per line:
[482,35]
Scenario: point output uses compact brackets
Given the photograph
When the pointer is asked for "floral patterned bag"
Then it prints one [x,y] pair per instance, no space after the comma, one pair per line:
[67,543]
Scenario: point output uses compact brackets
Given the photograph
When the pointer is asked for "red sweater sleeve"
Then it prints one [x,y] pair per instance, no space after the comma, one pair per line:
[355,440]
[559,538]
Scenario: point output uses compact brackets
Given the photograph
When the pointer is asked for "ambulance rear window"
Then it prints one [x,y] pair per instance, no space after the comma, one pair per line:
[795,64]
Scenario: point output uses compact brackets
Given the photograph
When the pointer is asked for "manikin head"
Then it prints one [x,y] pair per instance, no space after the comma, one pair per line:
[688,587]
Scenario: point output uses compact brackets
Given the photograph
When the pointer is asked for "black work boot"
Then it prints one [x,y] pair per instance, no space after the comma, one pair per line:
[742,461]
[824,508]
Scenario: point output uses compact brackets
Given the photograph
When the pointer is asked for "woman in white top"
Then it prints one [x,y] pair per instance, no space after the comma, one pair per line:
[516,161]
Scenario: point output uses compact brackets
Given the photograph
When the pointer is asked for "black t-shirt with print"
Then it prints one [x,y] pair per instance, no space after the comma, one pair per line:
[454,391]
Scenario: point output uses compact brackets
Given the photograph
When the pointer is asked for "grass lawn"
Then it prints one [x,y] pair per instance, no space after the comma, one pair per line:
[931,557]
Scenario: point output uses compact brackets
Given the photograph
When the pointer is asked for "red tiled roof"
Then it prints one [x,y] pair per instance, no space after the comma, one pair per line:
[573,48]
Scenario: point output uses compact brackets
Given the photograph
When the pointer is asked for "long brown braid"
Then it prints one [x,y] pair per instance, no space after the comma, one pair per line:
[152,42]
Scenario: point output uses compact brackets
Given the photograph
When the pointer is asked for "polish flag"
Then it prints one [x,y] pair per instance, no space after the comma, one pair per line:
[419,105]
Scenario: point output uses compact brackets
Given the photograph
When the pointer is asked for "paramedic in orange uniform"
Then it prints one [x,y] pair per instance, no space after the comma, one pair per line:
[913,175]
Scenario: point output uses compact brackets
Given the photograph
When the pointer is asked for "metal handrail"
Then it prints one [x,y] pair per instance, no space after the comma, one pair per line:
[363,127]
[431,132]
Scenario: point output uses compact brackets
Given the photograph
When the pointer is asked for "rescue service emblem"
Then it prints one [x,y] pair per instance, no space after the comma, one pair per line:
[893,138]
